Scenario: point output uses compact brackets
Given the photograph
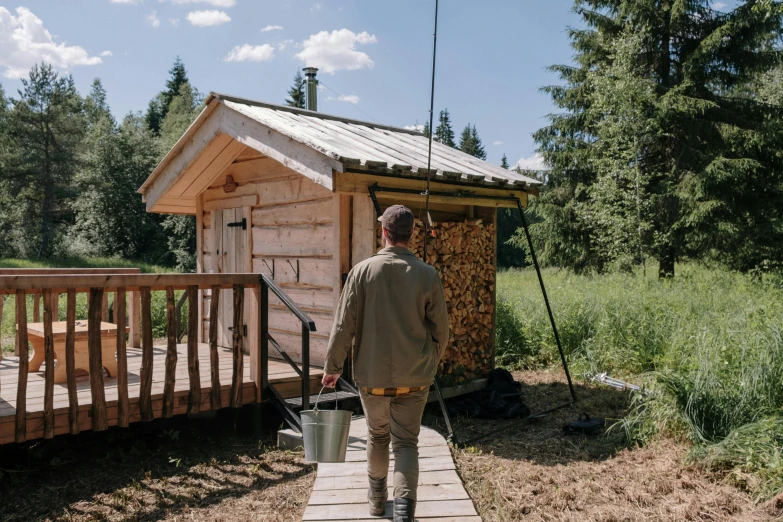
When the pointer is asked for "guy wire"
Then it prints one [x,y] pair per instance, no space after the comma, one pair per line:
[429,148]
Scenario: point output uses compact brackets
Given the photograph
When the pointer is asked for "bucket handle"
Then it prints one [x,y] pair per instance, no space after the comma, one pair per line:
[315,408]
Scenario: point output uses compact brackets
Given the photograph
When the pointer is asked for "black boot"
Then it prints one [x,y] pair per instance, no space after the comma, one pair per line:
[378,494]
[404,510]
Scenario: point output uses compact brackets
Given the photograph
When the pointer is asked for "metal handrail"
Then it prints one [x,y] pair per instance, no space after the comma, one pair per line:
[292,306]
[308,325]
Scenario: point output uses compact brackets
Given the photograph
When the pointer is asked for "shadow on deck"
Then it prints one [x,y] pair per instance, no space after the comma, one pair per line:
[286,381]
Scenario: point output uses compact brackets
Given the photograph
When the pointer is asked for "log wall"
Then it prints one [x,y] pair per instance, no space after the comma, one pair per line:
[291,231]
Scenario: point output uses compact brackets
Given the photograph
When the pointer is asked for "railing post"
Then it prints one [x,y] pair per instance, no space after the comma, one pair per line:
[257,373]
[305,367]
[263,312]
[134,319]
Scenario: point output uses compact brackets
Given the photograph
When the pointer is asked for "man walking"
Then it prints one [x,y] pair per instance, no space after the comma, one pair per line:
[393,306]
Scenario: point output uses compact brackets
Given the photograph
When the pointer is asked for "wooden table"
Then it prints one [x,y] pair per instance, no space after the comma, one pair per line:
[35,334]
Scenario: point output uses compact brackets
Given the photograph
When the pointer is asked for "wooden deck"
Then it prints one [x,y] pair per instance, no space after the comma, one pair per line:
[340,490]
[280,374]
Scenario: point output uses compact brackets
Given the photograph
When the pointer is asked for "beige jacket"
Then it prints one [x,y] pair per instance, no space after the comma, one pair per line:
[393,306]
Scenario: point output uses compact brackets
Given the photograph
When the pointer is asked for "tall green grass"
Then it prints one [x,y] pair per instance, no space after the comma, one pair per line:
[83,262]
[707,345]
[8,323]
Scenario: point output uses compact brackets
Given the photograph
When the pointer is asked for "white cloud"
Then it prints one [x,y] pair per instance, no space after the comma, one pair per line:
[251,53]
[282,45]
[272,28]
[534,162]
[174,22]
[316,7]
[719,5]
[129,2]
[153,19]
[496,143]
[24,42]
[214,3]
[107,53]
[207,18]
[417,128]
[348,98]
[336,51]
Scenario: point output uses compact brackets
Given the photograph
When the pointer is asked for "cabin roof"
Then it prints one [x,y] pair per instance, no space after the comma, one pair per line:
[313,144]
[361,143]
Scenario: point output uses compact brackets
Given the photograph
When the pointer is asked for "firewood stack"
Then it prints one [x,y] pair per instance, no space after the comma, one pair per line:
[464,255]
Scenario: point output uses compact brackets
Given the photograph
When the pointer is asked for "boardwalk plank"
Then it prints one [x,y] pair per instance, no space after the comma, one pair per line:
[340,490]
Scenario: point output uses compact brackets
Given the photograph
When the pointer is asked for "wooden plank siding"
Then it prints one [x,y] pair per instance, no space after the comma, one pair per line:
[291,231]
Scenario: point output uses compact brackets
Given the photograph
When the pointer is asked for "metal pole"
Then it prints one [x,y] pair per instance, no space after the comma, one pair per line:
[305,367]
[546,298]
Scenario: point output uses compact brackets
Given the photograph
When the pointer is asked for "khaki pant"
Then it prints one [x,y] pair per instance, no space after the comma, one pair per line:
[395,419]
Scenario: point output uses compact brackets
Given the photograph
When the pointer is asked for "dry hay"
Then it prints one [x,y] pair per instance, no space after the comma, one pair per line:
[187,472]
[536,473]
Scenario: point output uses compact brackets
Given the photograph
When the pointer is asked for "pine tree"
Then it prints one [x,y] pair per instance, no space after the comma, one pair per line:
[656,145]
[296,94]
[178,77]
[470,143]
[504,162]
[426,129]
[466,140]
[444,133]
[46,124]
[158,107]
[184,108]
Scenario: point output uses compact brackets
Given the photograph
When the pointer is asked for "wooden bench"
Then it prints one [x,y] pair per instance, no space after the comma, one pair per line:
[35,334]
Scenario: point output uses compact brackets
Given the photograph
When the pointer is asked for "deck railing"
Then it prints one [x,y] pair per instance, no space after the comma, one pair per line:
[97,286]
[106,309]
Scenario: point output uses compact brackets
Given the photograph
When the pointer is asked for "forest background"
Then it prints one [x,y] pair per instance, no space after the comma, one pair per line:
[667,147]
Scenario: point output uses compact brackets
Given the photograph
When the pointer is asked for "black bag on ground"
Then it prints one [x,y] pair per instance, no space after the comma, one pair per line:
[500,399]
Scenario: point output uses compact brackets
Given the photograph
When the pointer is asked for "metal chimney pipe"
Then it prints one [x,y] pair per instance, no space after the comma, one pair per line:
[311,94]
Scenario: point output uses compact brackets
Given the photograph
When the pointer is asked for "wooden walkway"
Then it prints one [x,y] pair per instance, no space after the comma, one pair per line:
[340,490]
[286,381]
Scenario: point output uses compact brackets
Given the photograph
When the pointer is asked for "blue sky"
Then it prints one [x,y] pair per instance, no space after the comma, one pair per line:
[375,56]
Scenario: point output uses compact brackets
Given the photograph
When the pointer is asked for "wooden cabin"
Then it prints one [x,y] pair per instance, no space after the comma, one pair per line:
[285,202]
[294,194]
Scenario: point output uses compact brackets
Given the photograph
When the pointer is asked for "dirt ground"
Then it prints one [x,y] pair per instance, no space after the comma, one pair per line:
[535,472]
[225,469]
[173,470]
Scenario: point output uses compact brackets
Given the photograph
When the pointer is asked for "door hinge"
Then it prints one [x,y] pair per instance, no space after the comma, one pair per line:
[242,224]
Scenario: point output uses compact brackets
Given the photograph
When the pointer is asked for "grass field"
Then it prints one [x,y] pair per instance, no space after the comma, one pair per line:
[7,323]
[707,347]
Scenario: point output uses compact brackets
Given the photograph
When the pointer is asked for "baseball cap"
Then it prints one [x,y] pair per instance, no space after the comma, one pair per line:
[397,219]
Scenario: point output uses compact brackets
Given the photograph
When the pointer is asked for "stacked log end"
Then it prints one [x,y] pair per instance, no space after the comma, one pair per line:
[463,252]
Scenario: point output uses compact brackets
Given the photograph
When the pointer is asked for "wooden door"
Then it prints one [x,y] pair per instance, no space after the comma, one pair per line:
[231,238]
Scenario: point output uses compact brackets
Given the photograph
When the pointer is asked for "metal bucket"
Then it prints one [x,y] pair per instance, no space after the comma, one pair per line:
[325,434]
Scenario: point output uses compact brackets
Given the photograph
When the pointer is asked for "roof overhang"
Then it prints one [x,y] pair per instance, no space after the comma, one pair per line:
[211,144]
[315,145]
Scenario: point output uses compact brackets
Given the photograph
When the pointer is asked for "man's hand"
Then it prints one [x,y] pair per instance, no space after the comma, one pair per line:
[330,380]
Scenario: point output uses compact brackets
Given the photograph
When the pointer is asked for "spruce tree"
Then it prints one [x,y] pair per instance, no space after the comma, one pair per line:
[656,145]
[504,162]
[178,77]
[46,126]
[184,108]
[444,133]
[158,107]
[466,140]
[296,94]
[470,143]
